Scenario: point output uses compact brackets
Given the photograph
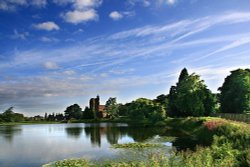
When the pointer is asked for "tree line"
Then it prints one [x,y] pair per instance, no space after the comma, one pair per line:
[188,97]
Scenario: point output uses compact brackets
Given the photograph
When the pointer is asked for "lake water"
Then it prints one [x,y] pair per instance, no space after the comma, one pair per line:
[35,145]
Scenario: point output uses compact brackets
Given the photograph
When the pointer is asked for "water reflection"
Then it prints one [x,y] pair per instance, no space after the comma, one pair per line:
[34,145]
[139,134]
[8,132]
[94,133]
[74,132]
[113,133]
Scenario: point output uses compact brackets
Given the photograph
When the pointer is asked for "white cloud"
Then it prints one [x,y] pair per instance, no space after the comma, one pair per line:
[69,72]
[48,26]
[79,4]
[77,16]
[86,78]
[145,3]
[104,75]
[7,6]
[39,3]
[47,39]
[12,5]
[83,10]
[171,2]
[62,2]
[18,35]
[186,27]
[234,44]
[83,4]
[80,30]
[17,2]
[128,13]
[122,72]
[116,15]
[50,65]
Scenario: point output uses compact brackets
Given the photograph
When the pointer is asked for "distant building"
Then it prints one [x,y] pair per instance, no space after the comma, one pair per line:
[98,110]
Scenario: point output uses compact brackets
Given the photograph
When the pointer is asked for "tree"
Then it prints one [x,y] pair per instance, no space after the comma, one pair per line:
[235,92]
[88,114]
[123,109]
[183,75]
[190,97]
[112,107]
[59,117]
[10,116]
[143,108]
[45,116]
[162,100]
[73,111]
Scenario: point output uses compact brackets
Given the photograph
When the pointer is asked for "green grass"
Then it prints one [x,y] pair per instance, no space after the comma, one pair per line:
[71,162]
[136,145]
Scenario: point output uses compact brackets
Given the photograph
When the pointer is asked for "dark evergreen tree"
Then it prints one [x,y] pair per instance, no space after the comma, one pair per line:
[45,116]
[183,75]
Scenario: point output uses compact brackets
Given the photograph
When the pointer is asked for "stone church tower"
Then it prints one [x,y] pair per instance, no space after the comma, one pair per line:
[96,108]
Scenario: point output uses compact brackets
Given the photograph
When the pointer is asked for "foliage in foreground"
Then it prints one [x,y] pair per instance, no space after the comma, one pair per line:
[136,145]
[203,157]
[70,163]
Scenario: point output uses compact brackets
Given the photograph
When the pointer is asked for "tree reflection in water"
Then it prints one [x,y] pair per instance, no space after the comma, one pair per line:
[74,131]
[8,132]
[114,132]
[94,132]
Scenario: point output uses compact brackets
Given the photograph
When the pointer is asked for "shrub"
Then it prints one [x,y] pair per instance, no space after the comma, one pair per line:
[160,123]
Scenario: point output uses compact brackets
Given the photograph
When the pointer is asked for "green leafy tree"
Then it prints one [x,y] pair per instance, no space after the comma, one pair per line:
[18,117]
[112,107]
[162,100]
[123,109]
[10,116]
[190,97]
[73,111]
[88,114]
[235,92]
[143,108]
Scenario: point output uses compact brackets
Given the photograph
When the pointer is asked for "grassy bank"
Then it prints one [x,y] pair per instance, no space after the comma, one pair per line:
[227,143]
[116,120]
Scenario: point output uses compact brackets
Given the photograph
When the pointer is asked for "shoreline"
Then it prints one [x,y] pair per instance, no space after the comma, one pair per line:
[218,135]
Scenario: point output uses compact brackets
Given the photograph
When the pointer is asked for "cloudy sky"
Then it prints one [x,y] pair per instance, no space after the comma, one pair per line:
[54,53]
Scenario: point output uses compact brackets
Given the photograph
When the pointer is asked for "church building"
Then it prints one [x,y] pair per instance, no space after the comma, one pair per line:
[98,110]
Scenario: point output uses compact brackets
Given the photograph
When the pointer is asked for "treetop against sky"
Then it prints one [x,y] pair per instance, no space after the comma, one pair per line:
[54,53]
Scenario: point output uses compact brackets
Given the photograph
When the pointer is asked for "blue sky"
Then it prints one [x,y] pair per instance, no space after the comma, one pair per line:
[54,53]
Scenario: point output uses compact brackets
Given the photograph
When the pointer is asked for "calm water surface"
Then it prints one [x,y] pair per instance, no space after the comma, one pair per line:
[35,145]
